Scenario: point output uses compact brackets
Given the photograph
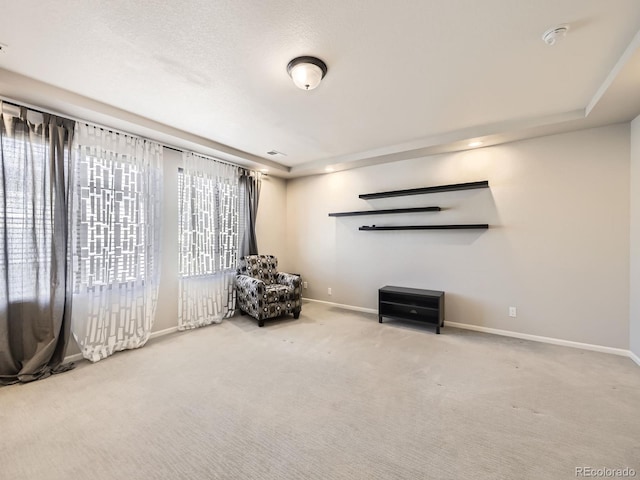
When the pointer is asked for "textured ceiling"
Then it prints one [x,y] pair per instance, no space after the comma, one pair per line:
[400,73]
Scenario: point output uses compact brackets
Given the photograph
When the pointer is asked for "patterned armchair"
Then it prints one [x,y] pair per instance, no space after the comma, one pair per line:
[265,293]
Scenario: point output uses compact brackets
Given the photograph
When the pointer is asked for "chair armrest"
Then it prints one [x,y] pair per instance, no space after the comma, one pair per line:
[288,279]
[250,284]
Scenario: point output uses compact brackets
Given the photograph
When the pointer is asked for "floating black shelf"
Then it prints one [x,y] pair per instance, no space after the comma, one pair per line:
[391,210]
[423,190]
[472,226]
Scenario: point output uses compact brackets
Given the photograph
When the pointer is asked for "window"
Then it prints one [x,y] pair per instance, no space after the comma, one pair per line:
[208,224]
[112,235]
[27,217]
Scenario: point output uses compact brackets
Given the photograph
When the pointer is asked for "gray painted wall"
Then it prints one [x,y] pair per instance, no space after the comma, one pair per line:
[634,277]
[557,249]
[271,222]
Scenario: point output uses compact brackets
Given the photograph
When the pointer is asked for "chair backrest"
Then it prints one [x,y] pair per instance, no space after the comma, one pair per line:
[262,267]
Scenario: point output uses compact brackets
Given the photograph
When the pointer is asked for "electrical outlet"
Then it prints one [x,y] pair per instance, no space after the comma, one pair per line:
[305,285]
[513,312]
[329,290]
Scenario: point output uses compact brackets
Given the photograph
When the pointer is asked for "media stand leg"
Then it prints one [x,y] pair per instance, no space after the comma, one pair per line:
[438,329]
[379,318]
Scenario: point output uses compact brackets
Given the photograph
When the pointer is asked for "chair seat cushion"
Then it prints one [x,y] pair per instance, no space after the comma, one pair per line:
[276,293]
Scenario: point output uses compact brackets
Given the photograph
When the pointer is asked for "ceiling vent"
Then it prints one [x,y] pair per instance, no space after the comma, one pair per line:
[275,152]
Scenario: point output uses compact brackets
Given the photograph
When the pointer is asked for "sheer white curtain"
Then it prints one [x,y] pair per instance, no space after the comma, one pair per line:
[208,240]
[116,245]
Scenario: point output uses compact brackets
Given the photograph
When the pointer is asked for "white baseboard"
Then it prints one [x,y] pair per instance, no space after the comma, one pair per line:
[161,333]
[76,357]
[538,338]
[346,307]
[507,333]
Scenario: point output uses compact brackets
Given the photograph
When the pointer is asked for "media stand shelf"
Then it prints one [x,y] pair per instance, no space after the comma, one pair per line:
[425,306]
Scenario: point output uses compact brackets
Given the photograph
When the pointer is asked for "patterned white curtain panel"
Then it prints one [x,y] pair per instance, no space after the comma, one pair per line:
[116,229]
[208,240]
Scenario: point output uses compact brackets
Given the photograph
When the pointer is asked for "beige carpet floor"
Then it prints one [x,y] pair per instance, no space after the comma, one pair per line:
[333,395]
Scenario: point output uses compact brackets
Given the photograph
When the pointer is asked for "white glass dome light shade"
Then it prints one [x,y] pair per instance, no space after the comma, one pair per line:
[306,76]
[307,72]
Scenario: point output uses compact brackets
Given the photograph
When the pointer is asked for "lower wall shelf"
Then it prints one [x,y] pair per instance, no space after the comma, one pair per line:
[472,226]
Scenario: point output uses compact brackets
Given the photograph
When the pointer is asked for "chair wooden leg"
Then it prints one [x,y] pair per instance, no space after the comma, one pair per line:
[296,314]
[261,323]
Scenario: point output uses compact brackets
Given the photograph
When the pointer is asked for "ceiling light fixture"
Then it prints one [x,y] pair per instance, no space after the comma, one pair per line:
[474,144]
[307,72]
[551,36]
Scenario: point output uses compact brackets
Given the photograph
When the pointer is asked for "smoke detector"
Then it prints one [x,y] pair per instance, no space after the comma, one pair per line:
[551,36]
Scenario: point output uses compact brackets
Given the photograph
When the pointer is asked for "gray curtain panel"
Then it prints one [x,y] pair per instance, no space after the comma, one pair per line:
[35,303]
[249,198]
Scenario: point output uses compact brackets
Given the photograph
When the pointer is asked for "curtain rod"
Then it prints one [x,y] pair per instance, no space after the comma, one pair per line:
[17,103]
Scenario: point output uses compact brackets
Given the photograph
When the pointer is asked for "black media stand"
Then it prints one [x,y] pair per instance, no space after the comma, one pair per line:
[426,306]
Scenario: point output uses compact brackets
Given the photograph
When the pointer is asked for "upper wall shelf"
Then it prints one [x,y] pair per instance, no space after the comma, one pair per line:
[423,190]
[390,210]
